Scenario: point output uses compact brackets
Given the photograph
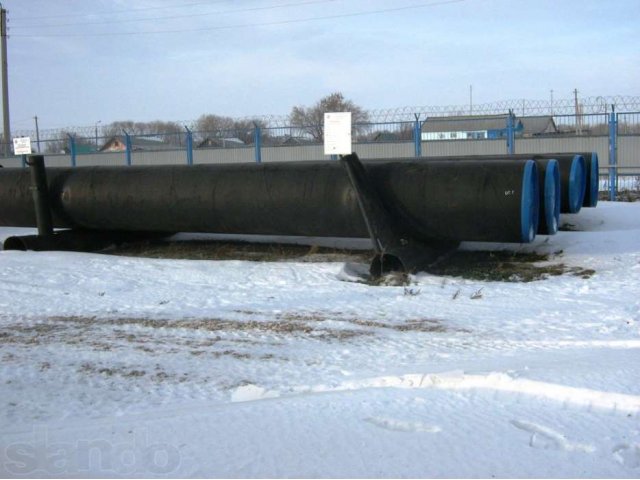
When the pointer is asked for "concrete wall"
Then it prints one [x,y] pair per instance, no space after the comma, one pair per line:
[440,148]
[293,153]
[220,155]
[628,153]
[385,150]
[110,159]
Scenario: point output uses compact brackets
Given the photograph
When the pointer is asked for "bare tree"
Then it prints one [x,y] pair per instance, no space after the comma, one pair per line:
[209,124]
[165,128]
[217,126]
[169,132]
[116,128]
[245,129]
[156,127]
[310,120]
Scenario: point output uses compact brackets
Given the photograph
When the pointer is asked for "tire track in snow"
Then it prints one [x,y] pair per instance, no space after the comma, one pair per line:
[627,454]
[579,397]
[548,438]
[402,425]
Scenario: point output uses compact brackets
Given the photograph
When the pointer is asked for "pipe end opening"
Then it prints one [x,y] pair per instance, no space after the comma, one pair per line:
[15,243]
[529,203]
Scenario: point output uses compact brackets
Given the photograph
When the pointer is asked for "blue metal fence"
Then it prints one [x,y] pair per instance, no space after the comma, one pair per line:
[418,135]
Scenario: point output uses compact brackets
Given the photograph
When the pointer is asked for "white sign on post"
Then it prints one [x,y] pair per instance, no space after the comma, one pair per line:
[22,146]
[337,133]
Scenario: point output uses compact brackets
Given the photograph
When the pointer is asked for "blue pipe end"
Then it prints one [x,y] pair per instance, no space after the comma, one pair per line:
[577,184]
[591,200]
[552,197]
[529,203]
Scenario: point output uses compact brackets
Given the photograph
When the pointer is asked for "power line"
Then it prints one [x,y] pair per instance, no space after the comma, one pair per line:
[174,17]
[128,10]
[249,25]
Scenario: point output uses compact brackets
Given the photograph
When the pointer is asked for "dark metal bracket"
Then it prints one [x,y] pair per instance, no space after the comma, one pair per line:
[396,247]
[40,192]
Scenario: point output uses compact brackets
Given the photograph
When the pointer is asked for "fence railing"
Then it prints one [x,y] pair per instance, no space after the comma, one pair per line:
[615,136]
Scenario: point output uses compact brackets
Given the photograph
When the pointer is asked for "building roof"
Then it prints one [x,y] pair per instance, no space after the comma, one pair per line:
[536,125]
[465,123]
[137,143]
[225,142]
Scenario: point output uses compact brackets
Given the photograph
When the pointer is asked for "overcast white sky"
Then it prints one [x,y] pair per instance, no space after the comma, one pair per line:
[76,62]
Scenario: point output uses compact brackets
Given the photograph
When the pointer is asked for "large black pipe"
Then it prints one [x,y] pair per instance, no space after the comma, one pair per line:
[549,186]
[482,201]
[573,174]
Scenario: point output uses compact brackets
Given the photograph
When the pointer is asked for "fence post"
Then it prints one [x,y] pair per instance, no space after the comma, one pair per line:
[511,137]
[257,142]
[417,137]
[189,146]
[127,141]
[613,157]
[72,149]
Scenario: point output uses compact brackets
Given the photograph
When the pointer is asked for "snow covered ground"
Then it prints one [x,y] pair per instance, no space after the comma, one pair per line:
[121,366]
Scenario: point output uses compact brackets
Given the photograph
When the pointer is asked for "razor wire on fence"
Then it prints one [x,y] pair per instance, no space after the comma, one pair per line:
[585,107]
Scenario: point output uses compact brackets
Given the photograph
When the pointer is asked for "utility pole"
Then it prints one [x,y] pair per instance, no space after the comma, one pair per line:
[552,101]
[470,99]
[5,82]
[37,133]
[96,125]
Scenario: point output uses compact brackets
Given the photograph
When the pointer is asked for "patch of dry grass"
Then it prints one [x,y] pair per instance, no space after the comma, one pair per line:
[107,334]
[504,266]
[87,367]
[622,195]
[259,252]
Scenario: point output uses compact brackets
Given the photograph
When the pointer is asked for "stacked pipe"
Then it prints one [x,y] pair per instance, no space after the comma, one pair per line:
[577,186]
[579,172]
[447,199]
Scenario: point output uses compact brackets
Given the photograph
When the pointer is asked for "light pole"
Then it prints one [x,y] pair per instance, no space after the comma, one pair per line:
[96,126]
